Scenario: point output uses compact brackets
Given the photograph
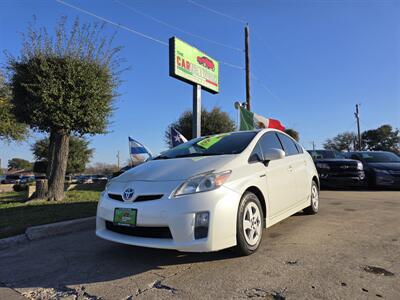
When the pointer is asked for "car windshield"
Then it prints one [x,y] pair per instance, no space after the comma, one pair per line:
[219,144]
[377,157]
[326,154]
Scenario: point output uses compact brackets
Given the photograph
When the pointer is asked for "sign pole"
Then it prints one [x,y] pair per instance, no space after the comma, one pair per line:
[196,118]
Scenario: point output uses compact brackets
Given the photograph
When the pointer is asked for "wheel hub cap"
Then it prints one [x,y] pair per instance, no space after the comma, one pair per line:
[252,223]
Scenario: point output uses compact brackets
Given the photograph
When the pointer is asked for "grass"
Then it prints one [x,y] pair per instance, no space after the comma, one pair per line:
[16,214]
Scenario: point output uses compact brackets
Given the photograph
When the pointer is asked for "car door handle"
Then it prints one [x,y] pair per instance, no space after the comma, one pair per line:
[290,169]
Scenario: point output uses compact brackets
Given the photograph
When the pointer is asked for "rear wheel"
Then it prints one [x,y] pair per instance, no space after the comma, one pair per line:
[313,208]
[250,223]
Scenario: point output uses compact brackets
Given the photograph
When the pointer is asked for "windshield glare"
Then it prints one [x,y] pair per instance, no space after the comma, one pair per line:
[219,144]
[380,157]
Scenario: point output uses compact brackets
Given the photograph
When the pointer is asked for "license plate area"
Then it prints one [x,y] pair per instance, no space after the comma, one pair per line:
[125,216]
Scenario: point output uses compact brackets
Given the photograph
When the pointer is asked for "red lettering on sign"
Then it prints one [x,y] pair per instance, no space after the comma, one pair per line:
[188,65]
[178,60]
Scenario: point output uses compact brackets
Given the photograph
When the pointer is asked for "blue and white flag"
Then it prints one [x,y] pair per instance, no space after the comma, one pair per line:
[136,148]
[176,137]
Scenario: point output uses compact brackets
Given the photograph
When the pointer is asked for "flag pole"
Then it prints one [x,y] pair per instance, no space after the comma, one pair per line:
[237,105]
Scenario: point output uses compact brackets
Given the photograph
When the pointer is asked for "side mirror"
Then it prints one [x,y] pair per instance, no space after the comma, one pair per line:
[273,154]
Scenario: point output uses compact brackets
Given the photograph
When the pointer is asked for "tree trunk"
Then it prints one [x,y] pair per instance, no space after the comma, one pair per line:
[59,168]
[41,189]
[51,153]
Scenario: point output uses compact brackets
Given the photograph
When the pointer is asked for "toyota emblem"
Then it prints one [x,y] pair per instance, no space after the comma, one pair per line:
[128,194]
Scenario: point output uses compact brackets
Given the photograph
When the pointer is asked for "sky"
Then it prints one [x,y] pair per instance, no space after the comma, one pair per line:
[312,62]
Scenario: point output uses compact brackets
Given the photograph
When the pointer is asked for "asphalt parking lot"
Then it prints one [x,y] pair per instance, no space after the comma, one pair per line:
[331,255]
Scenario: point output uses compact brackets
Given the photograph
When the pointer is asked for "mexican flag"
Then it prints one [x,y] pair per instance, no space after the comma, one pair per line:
[251,121]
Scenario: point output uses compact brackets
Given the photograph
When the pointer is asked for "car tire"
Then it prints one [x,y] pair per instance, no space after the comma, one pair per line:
[314,199]
[250,224]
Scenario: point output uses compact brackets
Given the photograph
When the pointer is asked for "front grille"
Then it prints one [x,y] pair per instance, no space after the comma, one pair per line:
[139,231]
[138,198]
[115,197]
[147,197]
[343,167]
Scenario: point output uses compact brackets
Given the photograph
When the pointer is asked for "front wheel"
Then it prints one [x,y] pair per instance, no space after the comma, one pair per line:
[250,223]
[313,208]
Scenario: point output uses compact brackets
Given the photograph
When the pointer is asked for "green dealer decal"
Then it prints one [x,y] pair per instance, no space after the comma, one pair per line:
[212,140]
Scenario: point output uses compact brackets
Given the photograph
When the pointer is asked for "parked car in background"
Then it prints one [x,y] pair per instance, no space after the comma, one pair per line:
[99,178]
[335,170]
[85,179]
[12,179]
[27,179]
[210,193]
[382,168]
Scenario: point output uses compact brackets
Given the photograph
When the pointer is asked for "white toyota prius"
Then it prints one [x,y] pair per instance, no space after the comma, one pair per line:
[210,193]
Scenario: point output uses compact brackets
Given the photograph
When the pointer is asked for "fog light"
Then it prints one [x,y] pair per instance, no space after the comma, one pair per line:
[201,225]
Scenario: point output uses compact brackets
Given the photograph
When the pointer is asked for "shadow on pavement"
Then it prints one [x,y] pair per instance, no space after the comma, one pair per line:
[82,258]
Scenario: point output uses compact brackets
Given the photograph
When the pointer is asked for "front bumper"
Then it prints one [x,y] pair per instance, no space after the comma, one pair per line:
[178,214]
[354,179]
[387,180]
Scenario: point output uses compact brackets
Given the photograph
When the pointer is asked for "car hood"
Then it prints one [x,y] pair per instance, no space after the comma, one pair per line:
[386,166]
[176,168]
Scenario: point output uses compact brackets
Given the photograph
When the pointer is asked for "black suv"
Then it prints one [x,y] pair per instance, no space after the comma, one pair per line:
[336,171]
[382,168]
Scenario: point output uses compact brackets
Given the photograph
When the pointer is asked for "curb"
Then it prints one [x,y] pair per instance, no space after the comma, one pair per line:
[48,230]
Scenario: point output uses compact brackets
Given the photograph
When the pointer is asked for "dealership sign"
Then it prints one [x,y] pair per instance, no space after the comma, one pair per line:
[193,66]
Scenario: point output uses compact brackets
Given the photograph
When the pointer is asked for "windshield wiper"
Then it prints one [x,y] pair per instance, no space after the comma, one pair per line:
[161,157]
[197,154]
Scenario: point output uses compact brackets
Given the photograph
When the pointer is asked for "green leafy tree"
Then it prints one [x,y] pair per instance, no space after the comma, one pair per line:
[342,142]
[20,164]
[64,85]
[79,155]
[10,129]
[384,138]
[212,122]
[293,133]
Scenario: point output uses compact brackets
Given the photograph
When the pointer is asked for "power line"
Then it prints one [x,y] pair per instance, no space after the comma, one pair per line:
[175,27]
[217,12]
[265,87]
[112,22]
[132,30]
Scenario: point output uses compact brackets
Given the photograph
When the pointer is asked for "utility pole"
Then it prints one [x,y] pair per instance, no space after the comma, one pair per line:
[118,159]
[313,145]
[247,63]
[357,115]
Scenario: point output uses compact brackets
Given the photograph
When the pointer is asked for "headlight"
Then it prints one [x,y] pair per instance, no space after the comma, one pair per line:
[360,166]
[202,183]
[322,166]
[381,172]
[107,185]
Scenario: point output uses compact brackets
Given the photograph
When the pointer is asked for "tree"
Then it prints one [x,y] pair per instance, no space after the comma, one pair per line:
[20,164]
[293,133]
[383,138]
[102,168]
[79,155]
[212,122]
[64,85]
[10,129]
[342,142]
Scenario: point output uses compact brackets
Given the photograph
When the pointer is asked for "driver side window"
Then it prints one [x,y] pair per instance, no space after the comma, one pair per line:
[270,140]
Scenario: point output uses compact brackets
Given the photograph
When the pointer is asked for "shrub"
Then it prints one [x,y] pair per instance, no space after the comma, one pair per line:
[20,187]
